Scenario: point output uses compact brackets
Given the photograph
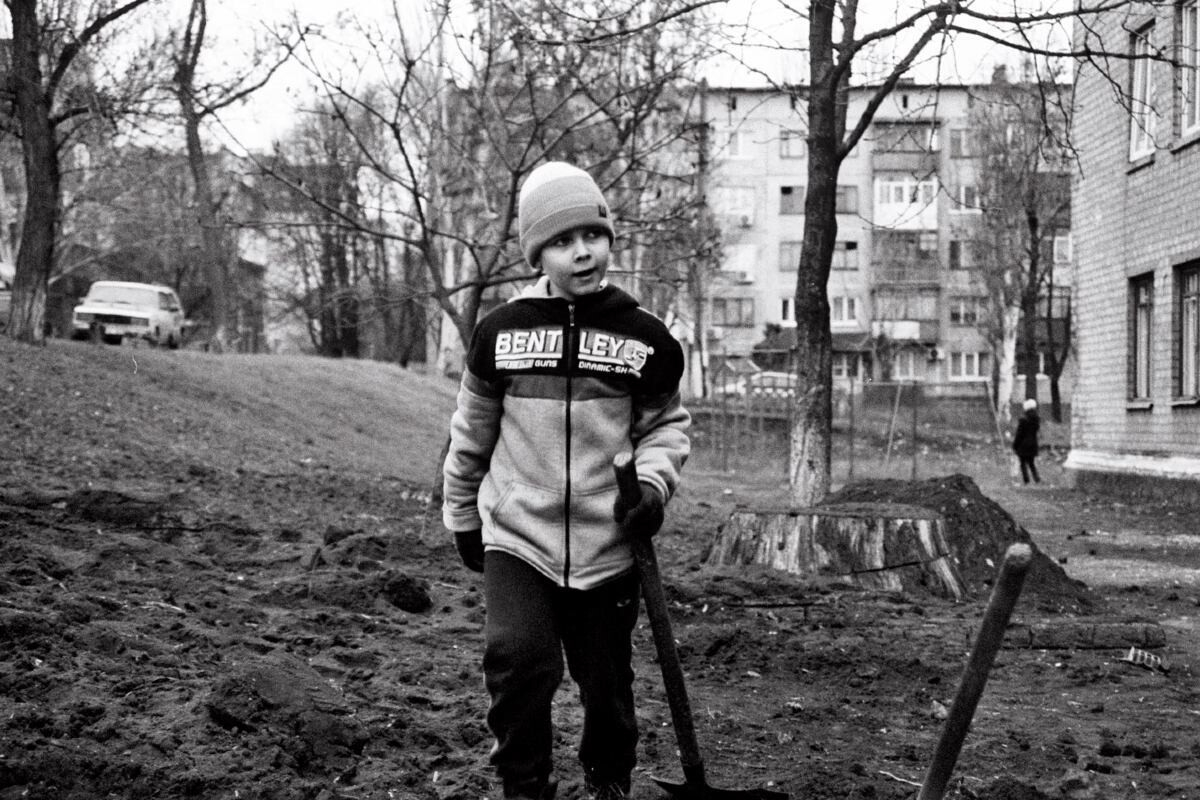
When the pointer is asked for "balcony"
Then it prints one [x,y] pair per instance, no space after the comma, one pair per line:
[907,274]
[924,331]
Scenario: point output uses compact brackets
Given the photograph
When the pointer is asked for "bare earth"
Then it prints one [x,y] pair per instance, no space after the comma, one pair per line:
[217,580]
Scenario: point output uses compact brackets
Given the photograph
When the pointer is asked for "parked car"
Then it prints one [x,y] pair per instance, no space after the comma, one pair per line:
[761,384]
[116,310]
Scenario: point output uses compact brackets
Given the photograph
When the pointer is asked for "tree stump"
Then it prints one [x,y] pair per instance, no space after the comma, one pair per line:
[874,545]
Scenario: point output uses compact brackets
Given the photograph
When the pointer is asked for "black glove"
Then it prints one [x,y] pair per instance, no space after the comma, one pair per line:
[643,519]
[470,549]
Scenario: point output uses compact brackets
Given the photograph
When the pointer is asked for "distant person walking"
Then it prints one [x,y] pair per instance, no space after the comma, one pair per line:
[1025,441]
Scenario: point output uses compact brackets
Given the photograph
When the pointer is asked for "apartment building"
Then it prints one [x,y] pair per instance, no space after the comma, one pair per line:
[906,295]
[1136,417]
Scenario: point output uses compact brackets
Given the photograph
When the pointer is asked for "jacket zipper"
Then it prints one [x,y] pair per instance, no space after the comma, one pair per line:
[570,345]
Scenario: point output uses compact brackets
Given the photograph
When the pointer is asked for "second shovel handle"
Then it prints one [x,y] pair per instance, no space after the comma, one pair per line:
[660,625]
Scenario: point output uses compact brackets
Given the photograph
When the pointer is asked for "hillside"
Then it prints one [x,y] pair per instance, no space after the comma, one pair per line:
[76,412]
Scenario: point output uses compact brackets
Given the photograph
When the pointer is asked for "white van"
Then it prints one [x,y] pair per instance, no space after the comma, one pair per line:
[116,310]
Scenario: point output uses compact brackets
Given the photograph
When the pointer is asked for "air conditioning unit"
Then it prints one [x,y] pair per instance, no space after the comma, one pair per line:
[716,333]
[740,276]
[745,222]
[936,354]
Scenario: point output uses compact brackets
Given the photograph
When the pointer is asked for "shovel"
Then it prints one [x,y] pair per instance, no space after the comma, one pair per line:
[695,786]
[991,635]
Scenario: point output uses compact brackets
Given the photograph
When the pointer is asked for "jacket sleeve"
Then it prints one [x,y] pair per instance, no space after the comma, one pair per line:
[660,423]
[474,429]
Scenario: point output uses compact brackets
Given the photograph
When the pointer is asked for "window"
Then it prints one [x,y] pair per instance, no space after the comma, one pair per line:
[962,254]
[905,138]
[1062,248]
[966,311]
[735,144]
[791,199]
[845,255]
[733,312]
[847,199]
[927,242]
[960,143]
[845,365]
[968,366]
[1189,68]
[904,190]
[904,365]
[843,309]
[785,309]
[1141,291]
[792,144]
[789,256]
[966,200]
[1187,338]
[735,205]
[1143,116]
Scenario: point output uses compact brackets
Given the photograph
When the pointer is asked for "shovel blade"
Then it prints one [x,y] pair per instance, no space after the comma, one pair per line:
[702,791]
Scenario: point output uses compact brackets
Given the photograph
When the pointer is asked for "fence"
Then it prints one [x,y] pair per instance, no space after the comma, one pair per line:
[748,426]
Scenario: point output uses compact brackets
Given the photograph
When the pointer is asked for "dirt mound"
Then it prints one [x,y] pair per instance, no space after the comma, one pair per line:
[978,531]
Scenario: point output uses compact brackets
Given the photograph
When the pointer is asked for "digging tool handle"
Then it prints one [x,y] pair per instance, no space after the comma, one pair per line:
[660,625]
[991,634]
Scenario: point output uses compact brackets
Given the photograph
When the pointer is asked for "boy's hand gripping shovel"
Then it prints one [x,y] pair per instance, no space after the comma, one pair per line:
[694,786]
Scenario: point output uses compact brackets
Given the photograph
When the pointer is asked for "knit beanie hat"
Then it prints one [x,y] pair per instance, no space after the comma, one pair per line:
[555,198]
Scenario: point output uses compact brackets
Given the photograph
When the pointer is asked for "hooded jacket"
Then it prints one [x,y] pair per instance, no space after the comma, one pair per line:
[1025,440]
[551,391]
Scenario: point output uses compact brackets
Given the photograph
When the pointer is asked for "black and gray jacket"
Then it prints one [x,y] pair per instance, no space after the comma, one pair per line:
[551,391]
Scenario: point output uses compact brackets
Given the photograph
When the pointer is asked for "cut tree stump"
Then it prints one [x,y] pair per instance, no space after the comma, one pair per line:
[874,545]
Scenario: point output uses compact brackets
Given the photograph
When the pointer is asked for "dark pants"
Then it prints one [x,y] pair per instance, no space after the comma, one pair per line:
[531,622]
[1028,469]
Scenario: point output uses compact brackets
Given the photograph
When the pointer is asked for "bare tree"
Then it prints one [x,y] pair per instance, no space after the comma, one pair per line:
[1024,193]
[467,114]
[200,100]
[54,90]
[836,51]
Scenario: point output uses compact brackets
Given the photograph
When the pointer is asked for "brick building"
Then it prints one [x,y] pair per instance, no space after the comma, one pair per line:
[1136,411]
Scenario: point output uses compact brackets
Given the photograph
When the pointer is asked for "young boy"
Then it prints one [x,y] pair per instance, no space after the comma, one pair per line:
[556,383]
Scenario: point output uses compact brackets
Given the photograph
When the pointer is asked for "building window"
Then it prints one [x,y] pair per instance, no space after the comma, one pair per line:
[1189,68]
[1187,338]
[1143,116]
[965,311]
[791,199]
[1062,248]
[792,144]
[904,365]
[785,309]
[906,138]
[847,199]
[960,143]
[733,312]
[734,205]
[789,256]
[845,365]
[966,200]
[1141,291]
[845,256]
[968,366]
[904,190]
[962,254]
[843,309]
[736,141]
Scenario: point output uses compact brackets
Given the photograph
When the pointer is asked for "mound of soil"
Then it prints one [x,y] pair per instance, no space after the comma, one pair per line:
[978,531]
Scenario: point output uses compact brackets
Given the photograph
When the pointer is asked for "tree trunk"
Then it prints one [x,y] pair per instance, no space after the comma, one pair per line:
[875,545]
[35,256]
[812,423]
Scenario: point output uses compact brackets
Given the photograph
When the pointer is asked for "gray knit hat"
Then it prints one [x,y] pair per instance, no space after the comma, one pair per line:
[555,198]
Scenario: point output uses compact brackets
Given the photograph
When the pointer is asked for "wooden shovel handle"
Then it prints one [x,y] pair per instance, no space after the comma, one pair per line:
[1016,563]
[660,625]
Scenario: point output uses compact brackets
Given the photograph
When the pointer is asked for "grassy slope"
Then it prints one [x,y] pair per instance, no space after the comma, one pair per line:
[71,411]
